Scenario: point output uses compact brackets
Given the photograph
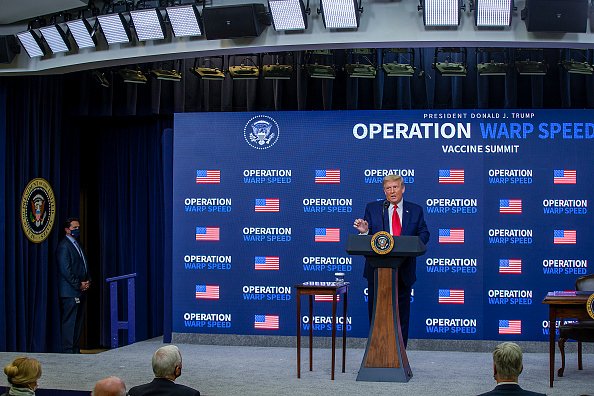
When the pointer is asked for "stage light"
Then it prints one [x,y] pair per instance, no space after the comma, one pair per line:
[55,38]
[115,28]
[132,76]
[320,71]
[492,12]
[168,75]
[208,73]
[83,33]
[277,72]
[577,67]
[288,14]
[244,72]
[148,24]
[185,21]
[340,14]
[32,43]
[449,68]
[532,68]
[441,12]
[100,78]
[496,64]
[397,69]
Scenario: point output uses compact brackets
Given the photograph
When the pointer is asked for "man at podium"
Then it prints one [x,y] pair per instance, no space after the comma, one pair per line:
[397,217]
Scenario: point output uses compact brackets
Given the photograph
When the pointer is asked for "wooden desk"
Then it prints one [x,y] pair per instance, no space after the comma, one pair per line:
[321,288]
[563,305]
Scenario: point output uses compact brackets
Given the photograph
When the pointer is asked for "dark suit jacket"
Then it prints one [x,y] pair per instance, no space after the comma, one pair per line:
[413,223]
[71,269]
[510,389]
[163,387]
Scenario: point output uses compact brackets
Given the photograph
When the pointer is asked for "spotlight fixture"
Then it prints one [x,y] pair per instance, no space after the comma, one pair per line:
[397,69]
[115,28]
[497,63]
[534,65]
[490,13]
[320,71]
[168,75]
[185,21]
[361,70]
[340,14]
[449,68]
[208,73]
[32,43]
[277,72]
[288,14]
[55,38]
[440,12]
[132,76]
[100,78]
[148,24]
[573,66]
[244,72]
[532,68]
[83,33]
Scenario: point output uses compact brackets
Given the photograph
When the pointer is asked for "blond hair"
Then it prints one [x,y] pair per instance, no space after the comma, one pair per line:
[391,178]
[23,371]
[507,357]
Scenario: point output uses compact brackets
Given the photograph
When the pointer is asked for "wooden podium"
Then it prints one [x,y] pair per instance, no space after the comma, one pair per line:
[385,356]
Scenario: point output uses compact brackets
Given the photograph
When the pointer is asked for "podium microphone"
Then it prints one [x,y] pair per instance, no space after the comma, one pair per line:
[385,206]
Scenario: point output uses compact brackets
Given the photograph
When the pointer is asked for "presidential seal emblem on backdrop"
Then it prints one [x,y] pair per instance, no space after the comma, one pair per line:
[38,210]
[261,132]
[382,242]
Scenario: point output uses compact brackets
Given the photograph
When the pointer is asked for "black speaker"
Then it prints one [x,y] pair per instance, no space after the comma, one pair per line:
[245,20]
[556,15]
[8,48]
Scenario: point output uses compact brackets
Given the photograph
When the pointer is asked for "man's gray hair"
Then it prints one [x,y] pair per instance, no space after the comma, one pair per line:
[391,178]
[165,360]
[507,358]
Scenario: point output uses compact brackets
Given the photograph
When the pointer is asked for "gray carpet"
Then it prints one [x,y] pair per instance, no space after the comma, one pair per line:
[251,370]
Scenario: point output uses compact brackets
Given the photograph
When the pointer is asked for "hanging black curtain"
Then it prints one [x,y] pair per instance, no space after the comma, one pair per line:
[39,144]
[130,214]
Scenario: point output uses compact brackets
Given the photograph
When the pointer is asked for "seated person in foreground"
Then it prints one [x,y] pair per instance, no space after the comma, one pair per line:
[507,366]
[112,386]
[167,366]
[22,374]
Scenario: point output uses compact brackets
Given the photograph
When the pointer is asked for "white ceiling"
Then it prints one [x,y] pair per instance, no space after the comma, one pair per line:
[18,10]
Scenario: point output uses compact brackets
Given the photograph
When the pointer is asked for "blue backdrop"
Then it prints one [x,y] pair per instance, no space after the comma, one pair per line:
[257,196]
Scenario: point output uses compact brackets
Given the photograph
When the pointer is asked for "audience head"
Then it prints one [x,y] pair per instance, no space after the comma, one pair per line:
[23,372]
[507,361]
[112,386]
[167,362]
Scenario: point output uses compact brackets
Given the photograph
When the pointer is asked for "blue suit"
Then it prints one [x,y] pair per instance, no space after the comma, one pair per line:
[72,271]
[510,389]
[413,223]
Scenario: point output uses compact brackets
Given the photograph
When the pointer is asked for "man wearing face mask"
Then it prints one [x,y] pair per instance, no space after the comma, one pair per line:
[73,283]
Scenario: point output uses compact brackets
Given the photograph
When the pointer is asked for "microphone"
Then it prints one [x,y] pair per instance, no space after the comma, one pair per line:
[385,206]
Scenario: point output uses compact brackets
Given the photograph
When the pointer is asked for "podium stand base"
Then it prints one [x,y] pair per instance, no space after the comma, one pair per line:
[382,374]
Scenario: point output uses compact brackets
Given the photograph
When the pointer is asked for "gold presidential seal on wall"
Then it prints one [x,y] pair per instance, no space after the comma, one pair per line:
[590,306]
[382,242]
[38,210]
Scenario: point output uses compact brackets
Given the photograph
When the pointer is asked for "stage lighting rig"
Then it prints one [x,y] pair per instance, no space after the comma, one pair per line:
[398,68]
[497,64]
[185,20]
[289,14]
[492,13]
[245,72]
[208,73]
[574,66]
[278,71]
[449,68]
[441,12]
[534,65]
[340,14]
[358,69]
[326,69]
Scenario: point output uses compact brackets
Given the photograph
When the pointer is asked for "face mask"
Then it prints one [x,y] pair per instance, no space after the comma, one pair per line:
[74,233]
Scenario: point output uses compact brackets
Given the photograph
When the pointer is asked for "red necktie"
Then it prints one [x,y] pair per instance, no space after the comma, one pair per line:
[396,227]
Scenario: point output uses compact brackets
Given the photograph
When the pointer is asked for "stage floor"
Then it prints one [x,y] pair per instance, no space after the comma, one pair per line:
[244,370]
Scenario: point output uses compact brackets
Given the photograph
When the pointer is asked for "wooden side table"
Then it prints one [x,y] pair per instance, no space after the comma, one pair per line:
[321,288]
